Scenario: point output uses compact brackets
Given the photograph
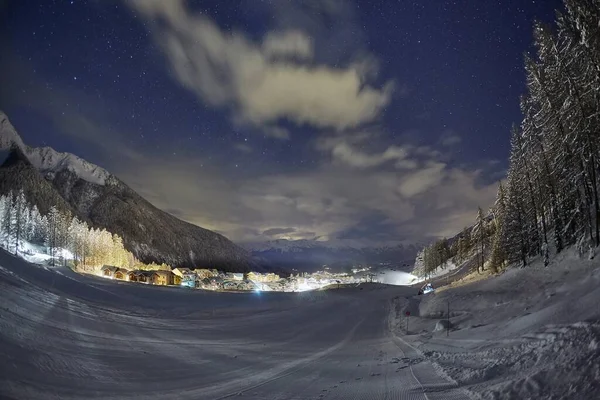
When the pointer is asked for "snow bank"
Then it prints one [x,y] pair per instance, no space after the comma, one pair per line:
[529,333]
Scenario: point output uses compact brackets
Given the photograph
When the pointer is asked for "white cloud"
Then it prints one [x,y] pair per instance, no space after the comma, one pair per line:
[287,44]
[276,132]
[423,179]
[344,153]
[347,149]
[226,69]
[243,147]
[450,138]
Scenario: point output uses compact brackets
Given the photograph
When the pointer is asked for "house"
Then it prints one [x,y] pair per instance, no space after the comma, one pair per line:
[141,276]
[258,277]
[184,277]
[231,285]
[108,271]
[132,276]
[121,274]
[238,277]
[162,278]
[206,273]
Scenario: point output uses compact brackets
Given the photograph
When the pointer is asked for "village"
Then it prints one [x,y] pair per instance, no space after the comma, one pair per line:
[212,279]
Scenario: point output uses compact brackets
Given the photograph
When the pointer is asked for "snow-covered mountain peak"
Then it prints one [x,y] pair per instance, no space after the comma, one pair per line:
[48,160]
[8,134]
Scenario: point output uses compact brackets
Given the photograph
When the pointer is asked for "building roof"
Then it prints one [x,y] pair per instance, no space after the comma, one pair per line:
[182,271]
[140,272]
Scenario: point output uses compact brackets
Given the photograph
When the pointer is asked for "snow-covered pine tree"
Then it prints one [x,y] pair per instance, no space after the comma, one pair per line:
[564,63]
[52,232]
[41,230]
[34,227]
[3,206]
[514,234]
[18,219]
[578,53]
[6,220]
[552,188]
[498,247]
[479,235]
[63,234]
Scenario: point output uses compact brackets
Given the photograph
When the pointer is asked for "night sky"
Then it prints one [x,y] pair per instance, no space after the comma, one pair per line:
[366,122]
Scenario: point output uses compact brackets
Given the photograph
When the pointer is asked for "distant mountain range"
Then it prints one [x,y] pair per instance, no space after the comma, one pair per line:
[94,195]
[309,255]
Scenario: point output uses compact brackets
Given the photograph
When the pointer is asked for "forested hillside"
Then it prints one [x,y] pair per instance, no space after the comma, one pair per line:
[550,198]
[79,188]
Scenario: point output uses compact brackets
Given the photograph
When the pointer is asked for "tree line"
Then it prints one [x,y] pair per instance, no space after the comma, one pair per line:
[63,236]
[550,197]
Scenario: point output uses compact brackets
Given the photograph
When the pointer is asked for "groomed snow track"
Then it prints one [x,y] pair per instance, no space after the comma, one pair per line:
[67,336]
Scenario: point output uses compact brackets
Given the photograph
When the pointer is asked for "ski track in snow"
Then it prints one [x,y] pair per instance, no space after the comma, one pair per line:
[67,336]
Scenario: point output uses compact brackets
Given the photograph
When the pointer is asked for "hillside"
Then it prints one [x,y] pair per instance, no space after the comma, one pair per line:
[94,195]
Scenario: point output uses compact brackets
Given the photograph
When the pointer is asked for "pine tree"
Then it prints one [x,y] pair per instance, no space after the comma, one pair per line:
[52,233]
[499,213]
[480,236]
[7,220]
[18,216]
[4,205]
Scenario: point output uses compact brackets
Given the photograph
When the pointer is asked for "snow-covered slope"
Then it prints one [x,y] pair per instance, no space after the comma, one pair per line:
[530,333]
[48,160]
[68,336]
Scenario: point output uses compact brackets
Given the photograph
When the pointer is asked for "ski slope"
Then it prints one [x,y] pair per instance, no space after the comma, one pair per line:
[67,336]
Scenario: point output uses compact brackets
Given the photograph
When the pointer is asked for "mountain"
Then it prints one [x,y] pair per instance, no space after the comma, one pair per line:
[94,195]
[310,255]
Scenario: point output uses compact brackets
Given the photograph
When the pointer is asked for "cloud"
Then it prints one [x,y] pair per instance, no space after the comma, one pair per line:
[243,147]
[355,158]
[449,139]
[331,201]
[288,44]
[278,231]
[229,70]
[276,132]
[348,149]
[423,179]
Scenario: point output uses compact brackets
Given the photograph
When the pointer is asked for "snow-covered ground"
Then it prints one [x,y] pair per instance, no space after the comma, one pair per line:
[391,277]
[531,333]
[70,336]
[446,269]
[528,334]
